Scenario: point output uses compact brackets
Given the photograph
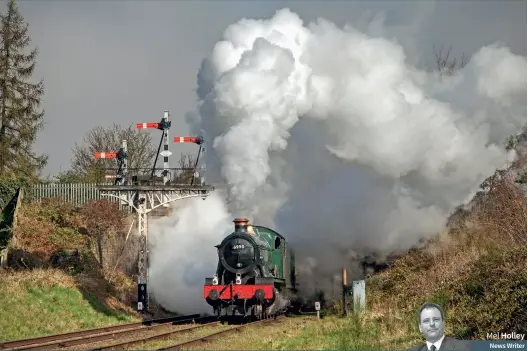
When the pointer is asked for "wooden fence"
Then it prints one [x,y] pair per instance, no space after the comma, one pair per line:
[78,194]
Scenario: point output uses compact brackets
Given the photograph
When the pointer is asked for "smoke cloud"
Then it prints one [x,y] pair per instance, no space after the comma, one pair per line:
[182,252]
[333,138]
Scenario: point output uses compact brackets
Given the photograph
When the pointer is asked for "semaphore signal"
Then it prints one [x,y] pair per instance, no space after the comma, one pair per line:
[122,169]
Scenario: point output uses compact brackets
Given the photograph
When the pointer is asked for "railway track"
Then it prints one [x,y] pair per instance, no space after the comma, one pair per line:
[101,336]
[90,336]
[212,336]
[156,337]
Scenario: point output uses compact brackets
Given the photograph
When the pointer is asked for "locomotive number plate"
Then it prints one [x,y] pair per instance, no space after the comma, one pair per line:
[238,246]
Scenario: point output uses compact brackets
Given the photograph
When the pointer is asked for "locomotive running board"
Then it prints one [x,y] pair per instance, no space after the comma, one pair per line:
[264,281]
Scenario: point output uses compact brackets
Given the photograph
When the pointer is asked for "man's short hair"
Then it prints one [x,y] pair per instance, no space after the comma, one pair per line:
[430,305]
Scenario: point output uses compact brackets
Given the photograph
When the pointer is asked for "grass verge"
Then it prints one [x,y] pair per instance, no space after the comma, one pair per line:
[42,302]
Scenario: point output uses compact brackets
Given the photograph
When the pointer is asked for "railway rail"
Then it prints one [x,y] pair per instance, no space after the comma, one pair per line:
[212,336]
[88,336]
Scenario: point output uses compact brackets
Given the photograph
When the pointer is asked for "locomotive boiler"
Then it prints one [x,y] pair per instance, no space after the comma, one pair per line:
[255,275]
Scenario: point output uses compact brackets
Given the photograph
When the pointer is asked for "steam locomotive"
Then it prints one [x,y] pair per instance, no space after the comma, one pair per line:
[255,276]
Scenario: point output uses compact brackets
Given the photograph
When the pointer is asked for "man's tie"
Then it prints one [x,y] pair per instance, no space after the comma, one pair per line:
[433,348]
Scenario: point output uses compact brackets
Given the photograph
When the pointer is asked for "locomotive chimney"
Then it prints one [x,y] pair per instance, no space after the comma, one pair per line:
[241,224]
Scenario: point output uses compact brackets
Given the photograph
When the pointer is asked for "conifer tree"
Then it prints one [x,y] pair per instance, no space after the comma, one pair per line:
[20,117]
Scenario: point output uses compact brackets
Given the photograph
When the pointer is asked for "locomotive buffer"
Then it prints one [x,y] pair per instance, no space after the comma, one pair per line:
[145,194]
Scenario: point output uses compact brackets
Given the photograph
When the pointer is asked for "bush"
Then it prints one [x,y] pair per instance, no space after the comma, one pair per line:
[44,229]
[104,224]
[493,297]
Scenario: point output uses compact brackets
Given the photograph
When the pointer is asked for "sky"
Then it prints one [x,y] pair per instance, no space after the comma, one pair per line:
[124,62]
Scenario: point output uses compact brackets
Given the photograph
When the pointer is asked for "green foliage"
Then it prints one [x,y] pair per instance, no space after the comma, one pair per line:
[8,200]
[57,212]
[89,264]
[8,189]
[67,238]
[20,117]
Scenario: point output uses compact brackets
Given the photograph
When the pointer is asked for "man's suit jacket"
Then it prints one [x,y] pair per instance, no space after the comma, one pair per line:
[448,344]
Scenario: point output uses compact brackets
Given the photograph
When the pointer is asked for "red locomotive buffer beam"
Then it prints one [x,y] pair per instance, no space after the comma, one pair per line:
[188,139]
[106,155]
[241,291]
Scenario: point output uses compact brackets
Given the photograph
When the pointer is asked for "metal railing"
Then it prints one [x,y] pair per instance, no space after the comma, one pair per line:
[190,176]
[79,194]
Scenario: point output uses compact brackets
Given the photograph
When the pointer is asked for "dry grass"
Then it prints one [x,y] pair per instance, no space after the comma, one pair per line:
[15,281]
[297,333]
[258,337]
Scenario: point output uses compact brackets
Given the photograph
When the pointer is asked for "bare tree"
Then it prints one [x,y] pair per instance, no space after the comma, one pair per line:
[103,220]
[446,64]
[141,151]
[186,161]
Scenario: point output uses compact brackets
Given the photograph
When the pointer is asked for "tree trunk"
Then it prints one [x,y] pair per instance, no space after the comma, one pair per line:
[100,250]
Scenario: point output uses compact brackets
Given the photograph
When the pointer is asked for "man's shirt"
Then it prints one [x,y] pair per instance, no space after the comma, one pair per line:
[436,344]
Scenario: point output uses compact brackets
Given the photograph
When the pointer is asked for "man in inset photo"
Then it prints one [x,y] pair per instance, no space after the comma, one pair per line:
[431,323]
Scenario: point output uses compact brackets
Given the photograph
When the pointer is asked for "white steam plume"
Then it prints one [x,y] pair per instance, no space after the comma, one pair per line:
[182,252]
[333,138]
